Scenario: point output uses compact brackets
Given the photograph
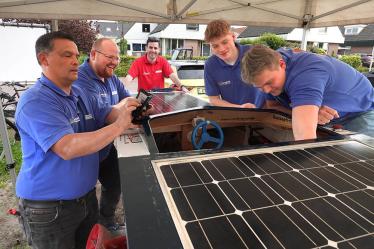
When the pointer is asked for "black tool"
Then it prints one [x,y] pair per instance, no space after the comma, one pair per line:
[144,97]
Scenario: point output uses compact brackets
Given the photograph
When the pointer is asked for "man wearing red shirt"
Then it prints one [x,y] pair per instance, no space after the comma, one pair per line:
[151,69]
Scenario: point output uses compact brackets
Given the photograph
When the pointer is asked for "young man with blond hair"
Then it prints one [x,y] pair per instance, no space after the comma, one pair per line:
[223,83]
[303,82]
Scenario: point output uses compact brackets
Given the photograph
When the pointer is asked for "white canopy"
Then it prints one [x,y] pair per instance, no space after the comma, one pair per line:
[282,13]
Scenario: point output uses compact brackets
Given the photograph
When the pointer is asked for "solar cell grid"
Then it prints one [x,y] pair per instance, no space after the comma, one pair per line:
[319,197]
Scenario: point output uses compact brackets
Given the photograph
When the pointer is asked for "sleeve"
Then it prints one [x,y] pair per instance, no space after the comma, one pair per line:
[166,68]
[134,68]
[308,87]
[45,125]
[211,88]
[121,90]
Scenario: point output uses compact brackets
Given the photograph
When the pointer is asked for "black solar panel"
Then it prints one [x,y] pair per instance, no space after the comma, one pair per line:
[174,101]
[320,197]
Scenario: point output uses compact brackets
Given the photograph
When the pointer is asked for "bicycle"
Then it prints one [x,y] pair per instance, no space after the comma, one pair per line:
[9,102]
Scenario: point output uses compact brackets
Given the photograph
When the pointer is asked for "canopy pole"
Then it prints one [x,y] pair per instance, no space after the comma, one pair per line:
[304,39]
[10,165]
[372,58]
[54,25]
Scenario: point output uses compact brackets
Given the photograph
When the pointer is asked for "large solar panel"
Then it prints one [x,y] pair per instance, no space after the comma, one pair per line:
[307,196]
[174,101]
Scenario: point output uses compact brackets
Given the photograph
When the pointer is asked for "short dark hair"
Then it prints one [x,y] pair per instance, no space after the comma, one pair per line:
[256,60]
[45,42]
[153,39]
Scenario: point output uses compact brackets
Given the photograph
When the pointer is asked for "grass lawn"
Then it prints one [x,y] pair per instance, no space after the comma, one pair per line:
[17,156]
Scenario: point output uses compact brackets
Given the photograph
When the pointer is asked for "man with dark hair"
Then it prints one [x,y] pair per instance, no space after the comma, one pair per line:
[303,82]
[60,135]
[96,76]
[151,69]
[223,83]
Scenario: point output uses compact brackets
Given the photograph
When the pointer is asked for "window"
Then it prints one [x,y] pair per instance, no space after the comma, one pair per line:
[351,31]
[128,47]
[138,47]
[322,30]
[146,28]
[192,27]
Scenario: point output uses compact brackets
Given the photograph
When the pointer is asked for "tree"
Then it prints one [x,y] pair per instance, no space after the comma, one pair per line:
[122,44]
[271,40]
[83,32]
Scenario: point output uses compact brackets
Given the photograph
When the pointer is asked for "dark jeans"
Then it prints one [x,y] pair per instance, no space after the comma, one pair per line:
[110,186]
[59,224]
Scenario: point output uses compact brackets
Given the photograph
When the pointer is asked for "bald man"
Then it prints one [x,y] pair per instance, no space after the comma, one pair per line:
[96,77]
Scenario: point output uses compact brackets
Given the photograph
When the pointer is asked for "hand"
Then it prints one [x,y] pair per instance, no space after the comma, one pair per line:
[124,118]
[247,105]
[326,114]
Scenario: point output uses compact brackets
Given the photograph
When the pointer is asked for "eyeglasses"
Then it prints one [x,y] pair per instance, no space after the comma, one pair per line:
[110,57]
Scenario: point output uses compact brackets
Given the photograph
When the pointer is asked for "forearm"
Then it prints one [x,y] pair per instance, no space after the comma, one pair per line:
[304,122]
[174,78]
[80,144]
[217,101]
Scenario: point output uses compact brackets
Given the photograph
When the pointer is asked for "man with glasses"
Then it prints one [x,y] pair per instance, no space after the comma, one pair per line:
[151,69]
[96,76]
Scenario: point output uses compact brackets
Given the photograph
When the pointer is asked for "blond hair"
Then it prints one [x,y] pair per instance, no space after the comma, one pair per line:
[215,29]
[256,60]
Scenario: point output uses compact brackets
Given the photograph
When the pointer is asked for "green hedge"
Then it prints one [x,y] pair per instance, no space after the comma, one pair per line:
[124,65]
[352,60]
[269,39]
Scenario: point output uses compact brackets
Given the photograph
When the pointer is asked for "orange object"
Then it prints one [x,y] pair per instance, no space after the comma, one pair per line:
[101,238]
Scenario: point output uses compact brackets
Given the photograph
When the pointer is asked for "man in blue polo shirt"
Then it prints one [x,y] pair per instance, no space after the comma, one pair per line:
[223,83]
[303,82]
[96,77]
[60,139]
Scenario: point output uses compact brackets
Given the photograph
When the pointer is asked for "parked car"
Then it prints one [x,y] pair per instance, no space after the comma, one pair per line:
[366,59]
[190,72]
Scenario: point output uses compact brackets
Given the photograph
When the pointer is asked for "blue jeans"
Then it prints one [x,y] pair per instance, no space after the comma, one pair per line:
[59,224]
[110,187]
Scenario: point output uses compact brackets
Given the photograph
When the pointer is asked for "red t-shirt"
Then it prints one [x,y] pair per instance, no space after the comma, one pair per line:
[150,76]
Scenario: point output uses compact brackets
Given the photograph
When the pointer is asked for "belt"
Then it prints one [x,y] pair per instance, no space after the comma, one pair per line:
[55,203]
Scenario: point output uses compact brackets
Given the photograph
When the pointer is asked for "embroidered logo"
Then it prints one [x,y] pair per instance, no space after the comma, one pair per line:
[158,71]
[74,120]
[114,93]
[146,73]
[224,83]
[88,116]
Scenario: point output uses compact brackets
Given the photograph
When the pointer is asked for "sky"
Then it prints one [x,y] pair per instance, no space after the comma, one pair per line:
[17,53]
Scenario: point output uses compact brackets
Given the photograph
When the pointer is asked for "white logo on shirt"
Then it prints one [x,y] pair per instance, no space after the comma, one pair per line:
[103,94]
[224,83]
[74,120]
[146,73]
[114,93]
[88,116]
[158,71]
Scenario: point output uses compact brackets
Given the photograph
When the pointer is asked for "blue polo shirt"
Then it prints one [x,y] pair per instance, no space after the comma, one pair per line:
[107,93]
[44,115]
[319,80]
[225,80]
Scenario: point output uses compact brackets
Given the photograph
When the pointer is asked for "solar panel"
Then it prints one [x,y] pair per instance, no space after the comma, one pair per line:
[307,196]
[174,101]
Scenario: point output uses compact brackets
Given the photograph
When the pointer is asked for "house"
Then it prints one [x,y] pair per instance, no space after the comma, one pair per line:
[327,38]
[174,36]
[137,37]
[136,34]
[358,39]
[111,29]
